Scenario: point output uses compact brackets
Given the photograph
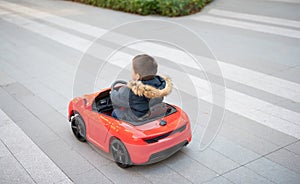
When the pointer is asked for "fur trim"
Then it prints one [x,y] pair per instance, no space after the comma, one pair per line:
[140,89]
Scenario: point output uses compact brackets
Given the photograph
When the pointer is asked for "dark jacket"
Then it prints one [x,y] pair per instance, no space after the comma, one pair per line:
[134,100]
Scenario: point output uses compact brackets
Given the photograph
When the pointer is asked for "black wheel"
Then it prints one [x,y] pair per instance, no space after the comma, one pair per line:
[78,128]
[120,153]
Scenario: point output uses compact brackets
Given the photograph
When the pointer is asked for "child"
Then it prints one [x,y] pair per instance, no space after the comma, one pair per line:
[132,102]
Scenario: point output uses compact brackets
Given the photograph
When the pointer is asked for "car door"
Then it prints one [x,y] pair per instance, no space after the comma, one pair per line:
[98,128]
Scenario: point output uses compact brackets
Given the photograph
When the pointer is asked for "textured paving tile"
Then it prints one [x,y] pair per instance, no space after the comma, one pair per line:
[4,121]
[261,131]
[23,116]
[12,138]
[42,171]
[208,126]
[36,105]
[290,104]
[55,100]
[37,165]
[129,175]
[91,153]
[54,83]
[160,173]
[65,181]
[40,103]
[94,155]
[233,151]
[35,86]
[274,171]
[18,91]
[189,168]
[56,121]
[91,177]
[12,172]
[244,175]
[70,144]
[210,158]
[15,72]
[246,140]
[37,130]
[287,159]
[292,74]
[67,159]
[295,148]
[219,180]
[5,79]
[12,107]
[3,150]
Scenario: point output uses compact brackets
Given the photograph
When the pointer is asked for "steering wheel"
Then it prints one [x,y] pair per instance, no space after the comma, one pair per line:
[117,82]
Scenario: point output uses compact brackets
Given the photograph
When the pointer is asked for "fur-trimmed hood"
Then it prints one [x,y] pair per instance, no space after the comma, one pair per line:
[141,89]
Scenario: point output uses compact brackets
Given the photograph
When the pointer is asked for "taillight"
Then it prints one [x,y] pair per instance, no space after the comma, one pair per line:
[157,138]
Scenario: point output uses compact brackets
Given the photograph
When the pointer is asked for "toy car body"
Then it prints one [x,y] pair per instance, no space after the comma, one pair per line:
[130,143]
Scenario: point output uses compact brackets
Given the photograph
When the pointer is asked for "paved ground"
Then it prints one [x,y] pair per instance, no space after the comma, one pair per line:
[257,45]
[22,161]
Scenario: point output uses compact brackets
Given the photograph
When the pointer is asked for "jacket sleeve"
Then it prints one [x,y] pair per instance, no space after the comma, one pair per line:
[120,98]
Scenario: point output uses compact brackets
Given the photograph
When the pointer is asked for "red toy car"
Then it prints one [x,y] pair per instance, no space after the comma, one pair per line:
[153,139]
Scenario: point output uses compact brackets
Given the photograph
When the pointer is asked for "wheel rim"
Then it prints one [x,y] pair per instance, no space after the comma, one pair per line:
[119,153]
[78,129]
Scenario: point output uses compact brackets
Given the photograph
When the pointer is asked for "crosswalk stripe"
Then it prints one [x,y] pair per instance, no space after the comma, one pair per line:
[249,26]
[287,1]
[234,105]
[256,18]
[280,87]
[84,28]
[52,33]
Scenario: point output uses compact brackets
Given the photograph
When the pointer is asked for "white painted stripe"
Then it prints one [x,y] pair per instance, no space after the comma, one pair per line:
[264,118]
[33,160]
[266,107]
[4,13]
[84,28]
[51,33]
[256,18]
[235,73]
[287,1]
[238,105]
[249,26]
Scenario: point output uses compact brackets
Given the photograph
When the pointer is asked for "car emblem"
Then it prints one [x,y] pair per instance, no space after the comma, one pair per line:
[162,123]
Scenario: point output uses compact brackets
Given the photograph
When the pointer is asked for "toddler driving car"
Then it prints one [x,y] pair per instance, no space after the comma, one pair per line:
[133,101]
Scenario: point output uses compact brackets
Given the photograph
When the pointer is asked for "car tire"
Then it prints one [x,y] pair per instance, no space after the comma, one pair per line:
[120,153]
[78,128]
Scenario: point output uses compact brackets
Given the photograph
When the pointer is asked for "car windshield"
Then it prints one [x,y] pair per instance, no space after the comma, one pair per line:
[102,104]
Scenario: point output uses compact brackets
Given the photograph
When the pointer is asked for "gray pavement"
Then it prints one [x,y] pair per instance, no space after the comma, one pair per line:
[22,161]
[257,43]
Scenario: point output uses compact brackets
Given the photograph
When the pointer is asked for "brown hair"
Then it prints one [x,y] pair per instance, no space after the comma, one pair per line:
[145,66]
